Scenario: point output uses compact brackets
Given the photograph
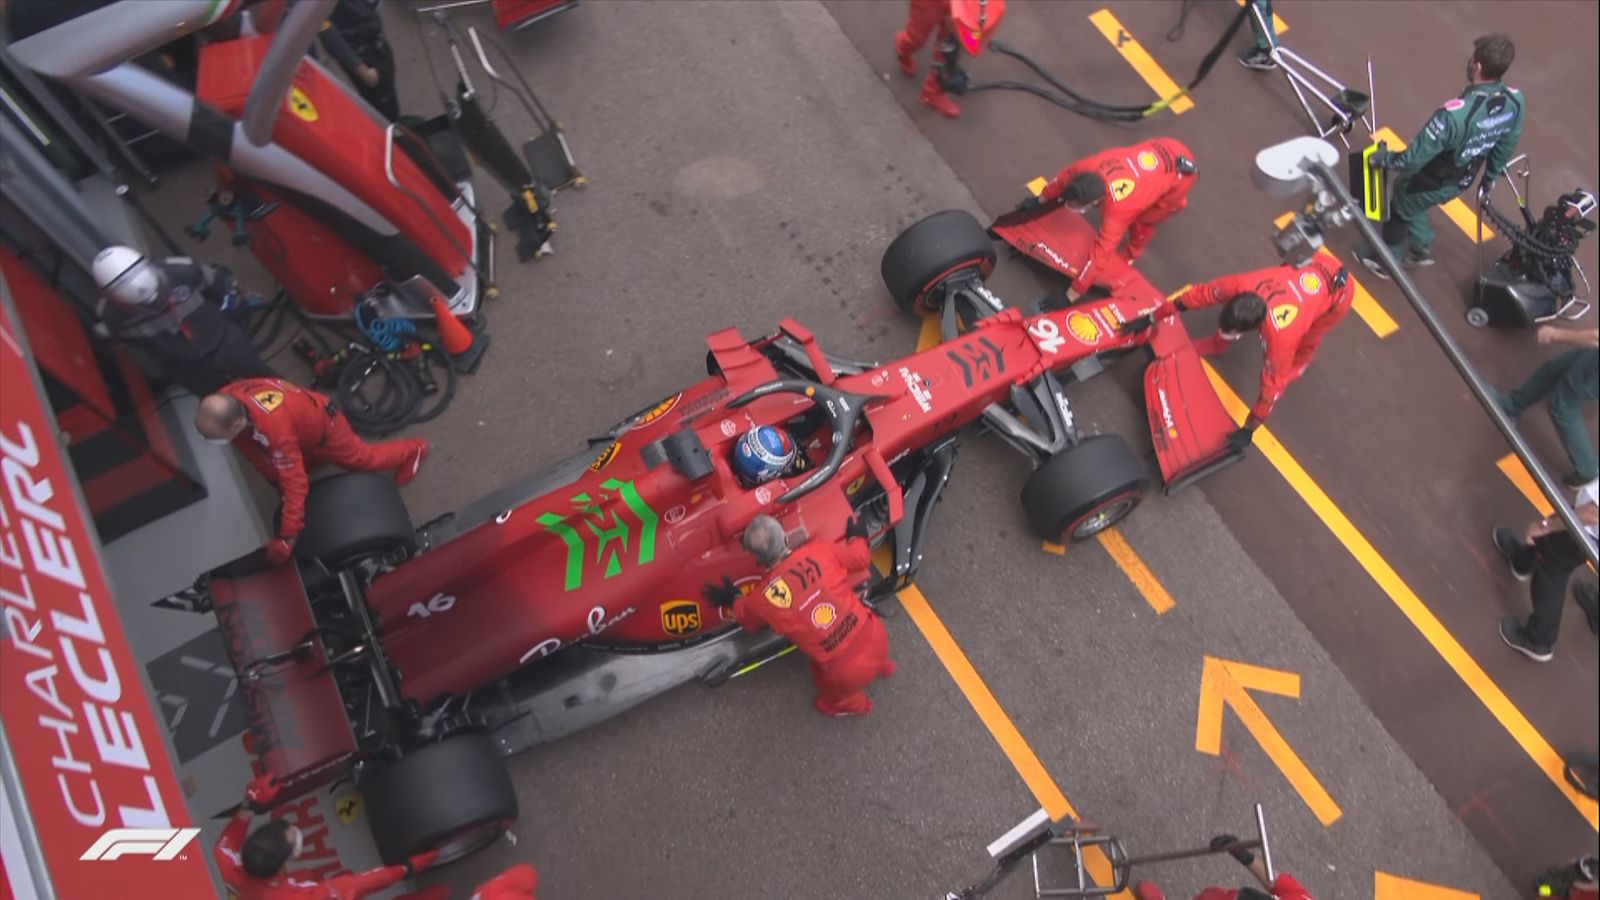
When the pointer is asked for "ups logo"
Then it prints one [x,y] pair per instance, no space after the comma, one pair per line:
[680,617]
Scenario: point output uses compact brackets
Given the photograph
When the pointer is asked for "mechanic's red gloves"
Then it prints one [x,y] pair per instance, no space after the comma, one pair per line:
[279,551]
[421,862]
[260,793]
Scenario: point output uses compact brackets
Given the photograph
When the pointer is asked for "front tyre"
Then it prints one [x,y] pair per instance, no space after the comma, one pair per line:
[932,251]
[1084,489]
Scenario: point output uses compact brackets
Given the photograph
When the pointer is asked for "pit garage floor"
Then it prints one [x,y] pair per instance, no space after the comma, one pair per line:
[750,161]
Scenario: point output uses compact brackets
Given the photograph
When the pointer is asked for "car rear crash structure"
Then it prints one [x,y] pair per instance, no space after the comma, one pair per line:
[411,658]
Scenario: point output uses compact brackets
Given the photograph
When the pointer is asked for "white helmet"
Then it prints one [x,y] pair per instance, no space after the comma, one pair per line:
[126,277]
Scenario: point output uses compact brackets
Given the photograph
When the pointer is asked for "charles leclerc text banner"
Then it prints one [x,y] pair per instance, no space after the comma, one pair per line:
[87,748]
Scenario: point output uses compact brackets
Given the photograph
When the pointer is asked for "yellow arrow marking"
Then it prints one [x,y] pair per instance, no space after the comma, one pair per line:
[1458,211]
[1376,317]
[1406,600]
[1224,683]
[1141,60]
[1393,887]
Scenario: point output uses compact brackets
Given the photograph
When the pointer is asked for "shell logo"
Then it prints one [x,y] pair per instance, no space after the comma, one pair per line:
[1148,161]
[1083,328]
[823,615]
[1310,282]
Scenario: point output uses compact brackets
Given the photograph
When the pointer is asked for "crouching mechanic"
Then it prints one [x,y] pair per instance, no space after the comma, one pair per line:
[1293,308]
[809,598]
[962,25]
[1136,189]
[283,430]
[253,867]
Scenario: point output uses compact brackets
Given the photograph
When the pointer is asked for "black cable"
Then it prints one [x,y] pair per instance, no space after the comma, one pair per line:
[1527,242]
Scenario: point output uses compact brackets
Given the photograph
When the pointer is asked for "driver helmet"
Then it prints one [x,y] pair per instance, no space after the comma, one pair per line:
[128,278]
[975,21]
[763,454]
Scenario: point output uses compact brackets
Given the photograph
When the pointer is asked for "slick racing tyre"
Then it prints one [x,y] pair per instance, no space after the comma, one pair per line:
[453,796]
[354,514]
[929,252]
[1084,490]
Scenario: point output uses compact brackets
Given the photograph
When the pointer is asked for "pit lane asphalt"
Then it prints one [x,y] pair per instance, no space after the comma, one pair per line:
[750,162]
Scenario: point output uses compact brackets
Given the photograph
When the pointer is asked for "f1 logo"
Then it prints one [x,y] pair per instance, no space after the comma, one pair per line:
[160,844]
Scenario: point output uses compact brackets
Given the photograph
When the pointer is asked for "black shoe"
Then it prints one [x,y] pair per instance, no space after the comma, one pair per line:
[1582,771]
[1258,58]
[1575,480]
[1511,546]
[1584,595]
[1516,637]
[1418,260]
[1373,264]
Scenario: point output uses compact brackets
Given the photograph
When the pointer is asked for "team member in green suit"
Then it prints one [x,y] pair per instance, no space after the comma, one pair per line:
[1479,129]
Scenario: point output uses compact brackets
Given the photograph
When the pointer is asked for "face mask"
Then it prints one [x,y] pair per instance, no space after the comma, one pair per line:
[220,442]
[299,843]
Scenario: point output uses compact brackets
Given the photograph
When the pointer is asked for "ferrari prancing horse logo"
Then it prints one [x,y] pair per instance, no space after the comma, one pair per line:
[778,594]
[1283,314]
[268,400]
[1121,188]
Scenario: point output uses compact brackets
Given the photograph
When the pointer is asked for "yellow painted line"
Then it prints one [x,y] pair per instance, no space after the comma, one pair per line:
[1393,887]
[1405,599]
[994,718]
[1523,479]
[930,335]
[1145,580]
[1225,684]
[1457,210]
[1141,60]
[1053,547]
[1279,26]
[1370,311]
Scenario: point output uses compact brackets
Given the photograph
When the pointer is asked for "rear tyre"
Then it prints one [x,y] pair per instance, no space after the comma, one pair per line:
[1084,490]
[930,252]
[354,514]
[454,796]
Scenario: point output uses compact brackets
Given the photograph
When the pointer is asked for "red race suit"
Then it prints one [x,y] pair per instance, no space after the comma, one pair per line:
[1284,887]
[284,887]
[1302,305]
[1144,185]
[809,599]
[293,429]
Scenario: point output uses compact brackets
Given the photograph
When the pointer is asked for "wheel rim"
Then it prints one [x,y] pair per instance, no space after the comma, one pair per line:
[980,263]
[1103,517]
[469,840]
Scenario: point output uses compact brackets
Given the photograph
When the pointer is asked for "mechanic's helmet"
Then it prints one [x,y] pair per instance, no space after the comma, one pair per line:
[1580,202]
[975,21]
[126,277]
[763,454]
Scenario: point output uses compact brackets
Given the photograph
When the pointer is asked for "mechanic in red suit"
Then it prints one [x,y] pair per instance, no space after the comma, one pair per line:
[1283,887]
[253,866]
[515,883]
[1293,308]
[283,430]
[1136,189]
[809,597]
[962,25]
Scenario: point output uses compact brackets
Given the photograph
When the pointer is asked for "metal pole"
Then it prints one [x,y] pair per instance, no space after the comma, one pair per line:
[289,46]
[1132,861]
[1329,181]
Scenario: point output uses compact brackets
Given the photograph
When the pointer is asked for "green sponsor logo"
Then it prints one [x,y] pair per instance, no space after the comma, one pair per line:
[598,516]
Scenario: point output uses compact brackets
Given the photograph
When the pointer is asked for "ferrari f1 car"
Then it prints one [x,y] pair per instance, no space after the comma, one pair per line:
[410,659]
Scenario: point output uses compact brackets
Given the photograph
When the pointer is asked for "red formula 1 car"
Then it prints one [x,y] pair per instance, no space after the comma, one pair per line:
[410,659]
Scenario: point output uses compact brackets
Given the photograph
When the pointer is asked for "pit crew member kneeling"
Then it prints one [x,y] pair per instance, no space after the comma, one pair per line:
[807,597]
[253,867]
[1293,308]
[283,430]
[1136,188]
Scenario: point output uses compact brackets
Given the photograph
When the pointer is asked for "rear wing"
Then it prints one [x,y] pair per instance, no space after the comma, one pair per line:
[297,718]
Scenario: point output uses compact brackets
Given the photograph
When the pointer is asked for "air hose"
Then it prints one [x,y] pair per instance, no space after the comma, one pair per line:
[1071,100]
